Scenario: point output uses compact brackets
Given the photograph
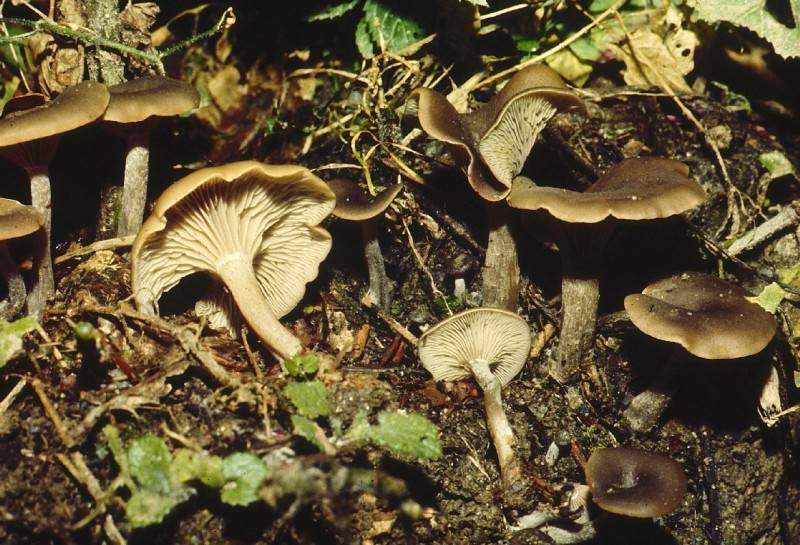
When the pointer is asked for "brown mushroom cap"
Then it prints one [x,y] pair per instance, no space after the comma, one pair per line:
[354,205]
[231,209]
[78,105]
[709,317]
[491,144]
[635,483]
[18,220]
[496,336]
[634,189]
[138,99]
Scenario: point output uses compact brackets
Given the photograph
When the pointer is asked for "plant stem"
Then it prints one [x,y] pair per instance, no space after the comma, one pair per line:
[103,18]
[134,193]
[238,275]
[497,422]
[500,287]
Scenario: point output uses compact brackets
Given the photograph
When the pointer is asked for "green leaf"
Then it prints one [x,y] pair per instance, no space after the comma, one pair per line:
[385,25]
[790,275]
[525,44]
[188,465]
[585,49]
[145,507]
[302,365]
[410,435]
[776,163]
[332,11]
[11,337]
[310,398]
[770,297]
[243,473]
[754,15]
[149,461]
[363,40]
[306,429]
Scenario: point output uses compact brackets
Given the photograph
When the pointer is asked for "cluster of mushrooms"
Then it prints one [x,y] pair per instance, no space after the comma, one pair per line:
[255,230]
[30,130]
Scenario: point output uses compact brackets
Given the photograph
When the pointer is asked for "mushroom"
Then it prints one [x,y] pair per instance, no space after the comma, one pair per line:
[135,103]
[16,220]
[490,145]
[492,346]
[635,483]
[635,189]
[254,227]
[709,317]
[353,205]
[573,523]
[29,137]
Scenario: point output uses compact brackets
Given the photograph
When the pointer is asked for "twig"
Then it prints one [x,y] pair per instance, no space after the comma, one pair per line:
[504,11]
[112,532]
[422,266]
[396,326]
[250,355]
[787,217]
[51,413]
[12,395]
[107,244]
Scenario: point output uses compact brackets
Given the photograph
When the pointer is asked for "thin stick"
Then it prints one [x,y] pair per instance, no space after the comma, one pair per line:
[107,244]
[422,266]
[55,418]
[9,399]
[503,11]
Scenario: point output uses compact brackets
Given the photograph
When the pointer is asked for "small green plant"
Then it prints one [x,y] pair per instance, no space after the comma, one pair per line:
[11,334]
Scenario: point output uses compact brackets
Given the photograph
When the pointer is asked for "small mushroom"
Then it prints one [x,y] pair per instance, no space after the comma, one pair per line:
[29,137]
[135,104]
[709,317]
[253,227]
[635,483]
[353,205]
[490,145]
[635,189]
[16,220]
[492,346]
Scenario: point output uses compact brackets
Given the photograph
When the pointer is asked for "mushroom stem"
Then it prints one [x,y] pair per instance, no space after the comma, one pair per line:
[238,275]
[579,300]
[647,407]
[381,287]
[497,421]
[41,200]
[500,288]
[134,193]
[15,297]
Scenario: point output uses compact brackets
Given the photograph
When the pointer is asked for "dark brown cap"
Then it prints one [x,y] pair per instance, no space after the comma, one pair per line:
[491,144]
[78,105]
[354,205]
[18,220]
[635,483]
[709,317]
[634,189]
[138,99]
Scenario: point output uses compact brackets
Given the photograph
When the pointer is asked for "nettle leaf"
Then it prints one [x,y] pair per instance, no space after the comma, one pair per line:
[770,297]
[310,398]
[753,14]
[11,334]
[243,473]
[405,434]
[332,11]
[387,26]
[302,365]
[188,465]
[145,508]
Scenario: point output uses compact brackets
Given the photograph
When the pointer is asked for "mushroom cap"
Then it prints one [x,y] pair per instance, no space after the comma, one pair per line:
[635,483]
[138,99]
[709,317]
[265,213]
[492,143]
[18,220]
[78,105]
[634,189]
[354,205]
[497,336]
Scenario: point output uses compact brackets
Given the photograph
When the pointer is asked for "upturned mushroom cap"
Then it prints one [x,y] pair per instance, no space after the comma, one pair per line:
[634,189]
[635,483]
[497,336]
[709,317]
[78,105]
[266,215]
[138,99]
[353,204]
[492,143]
[18,220]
